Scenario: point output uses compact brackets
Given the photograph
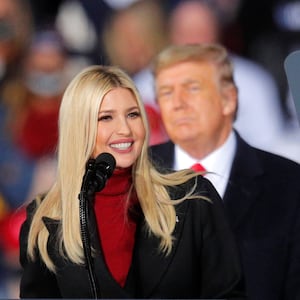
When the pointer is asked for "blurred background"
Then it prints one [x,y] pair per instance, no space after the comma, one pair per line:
[43,44]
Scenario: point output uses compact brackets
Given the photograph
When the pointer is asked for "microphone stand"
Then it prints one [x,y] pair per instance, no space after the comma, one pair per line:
[94,179]
[85,197]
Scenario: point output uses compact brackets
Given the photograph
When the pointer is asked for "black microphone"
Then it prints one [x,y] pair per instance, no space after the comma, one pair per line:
[97,172]
[105,164]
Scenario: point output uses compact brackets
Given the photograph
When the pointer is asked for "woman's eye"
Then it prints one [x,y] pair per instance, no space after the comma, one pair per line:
[105,118]
[134,114]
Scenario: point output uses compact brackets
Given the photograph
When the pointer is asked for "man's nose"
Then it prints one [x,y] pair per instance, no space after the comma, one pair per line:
[179,99]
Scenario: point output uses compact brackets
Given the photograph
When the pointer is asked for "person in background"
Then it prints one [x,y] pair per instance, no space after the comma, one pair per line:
[29,123]
[271,39]
[151,235]
[3,272]
[132,36]
[198,100]
[15,33]
[28,138]
[260,109]
[90,16]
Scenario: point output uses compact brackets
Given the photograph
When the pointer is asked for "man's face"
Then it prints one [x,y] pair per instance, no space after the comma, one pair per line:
[194,108]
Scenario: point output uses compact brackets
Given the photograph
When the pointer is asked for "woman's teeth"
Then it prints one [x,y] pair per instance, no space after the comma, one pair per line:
[121,146]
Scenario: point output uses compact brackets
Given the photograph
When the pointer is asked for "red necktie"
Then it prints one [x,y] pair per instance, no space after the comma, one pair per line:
[198,168]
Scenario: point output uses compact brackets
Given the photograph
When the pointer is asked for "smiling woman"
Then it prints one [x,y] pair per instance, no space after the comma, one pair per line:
[139,226]
[120,128]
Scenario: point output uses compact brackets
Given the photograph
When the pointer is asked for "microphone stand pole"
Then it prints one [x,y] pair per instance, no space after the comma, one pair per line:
[85,197]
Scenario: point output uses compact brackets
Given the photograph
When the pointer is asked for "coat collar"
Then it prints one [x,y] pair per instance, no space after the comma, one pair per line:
[147,261]
[106,286]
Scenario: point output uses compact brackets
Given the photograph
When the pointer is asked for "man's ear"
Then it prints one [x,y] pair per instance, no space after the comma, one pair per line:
[230,103]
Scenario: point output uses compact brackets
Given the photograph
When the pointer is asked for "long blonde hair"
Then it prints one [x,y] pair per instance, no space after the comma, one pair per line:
[78,121]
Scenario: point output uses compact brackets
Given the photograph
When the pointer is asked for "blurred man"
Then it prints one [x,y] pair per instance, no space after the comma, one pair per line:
[200,21]
[197,97]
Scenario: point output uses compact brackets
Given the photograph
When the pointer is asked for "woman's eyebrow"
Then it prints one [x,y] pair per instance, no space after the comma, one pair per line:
[113,110]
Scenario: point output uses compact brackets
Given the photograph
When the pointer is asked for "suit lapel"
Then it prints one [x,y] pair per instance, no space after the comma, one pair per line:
[163,155]
[244,183]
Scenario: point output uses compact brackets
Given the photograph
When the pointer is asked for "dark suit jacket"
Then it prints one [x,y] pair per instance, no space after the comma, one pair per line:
[204,262]
[262,201]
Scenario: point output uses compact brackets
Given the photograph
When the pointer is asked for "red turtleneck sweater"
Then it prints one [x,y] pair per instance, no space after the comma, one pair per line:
[116,228]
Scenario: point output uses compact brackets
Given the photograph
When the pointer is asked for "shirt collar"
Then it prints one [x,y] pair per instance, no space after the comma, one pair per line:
[218,161]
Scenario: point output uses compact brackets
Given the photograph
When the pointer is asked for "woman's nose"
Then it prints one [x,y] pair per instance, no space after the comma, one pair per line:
[124,127]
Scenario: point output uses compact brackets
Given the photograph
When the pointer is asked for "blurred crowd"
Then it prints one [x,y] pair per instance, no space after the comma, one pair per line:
[43,44]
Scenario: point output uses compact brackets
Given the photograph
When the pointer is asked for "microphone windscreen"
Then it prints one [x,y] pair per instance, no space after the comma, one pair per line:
[107,161]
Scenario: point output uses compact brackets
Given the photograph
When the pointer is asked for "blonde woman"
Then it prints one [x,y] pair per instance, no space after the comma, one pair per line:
[151,235]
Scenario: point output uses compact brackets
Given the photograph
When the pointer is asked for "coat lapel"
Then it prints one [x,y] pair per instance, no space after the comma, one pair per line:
[149,264]
[244,183]
[107,285]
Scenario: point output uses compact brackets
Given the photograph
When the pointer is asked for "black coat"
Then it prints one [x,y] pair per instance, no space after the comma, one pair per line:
[204,262]
[262,201]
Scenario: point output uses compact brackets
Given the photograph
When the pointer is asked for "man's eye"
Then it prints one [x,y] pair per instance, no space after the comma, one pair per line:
[105,118]
[134,114]
[193,88]
[164,93]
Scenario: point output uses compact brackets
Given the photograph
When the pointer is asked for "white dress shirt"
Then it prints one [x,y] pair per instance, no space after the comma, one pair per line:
[217,164]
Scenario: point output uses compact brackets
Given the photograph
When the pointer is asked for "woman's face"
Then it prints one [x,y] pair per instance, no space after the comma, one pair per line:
[121,130]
